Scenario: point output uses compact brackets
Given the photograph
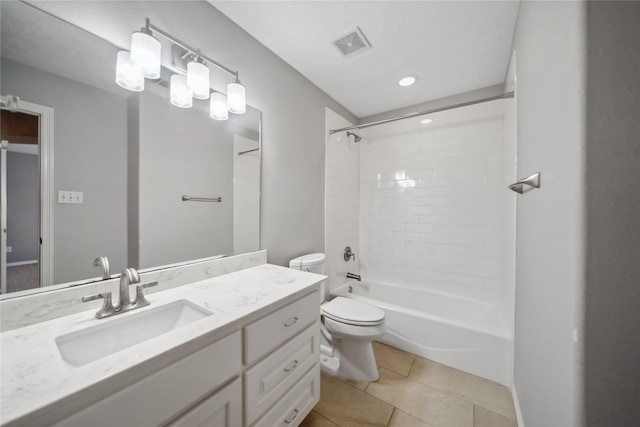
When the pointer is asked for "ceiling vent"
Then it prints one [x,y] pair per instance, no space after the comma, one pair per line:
[352,43]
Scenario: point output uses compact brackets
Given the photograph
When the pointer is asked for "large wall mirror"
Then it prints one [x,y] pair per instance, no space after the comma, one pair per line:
[93,170]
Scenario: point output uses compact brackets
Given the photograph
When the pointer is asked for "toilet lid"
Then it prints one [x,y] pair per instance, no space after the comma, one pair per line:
[346,310]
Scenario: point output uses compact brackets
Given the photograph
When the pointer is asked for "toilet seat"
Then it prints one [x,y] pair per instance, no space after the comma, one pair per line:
[352,312]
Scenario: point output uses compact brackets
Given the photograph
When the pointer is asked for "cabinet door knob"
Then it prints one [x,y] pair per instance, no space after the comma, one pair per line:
[293,365]
[291,417]
[290,322]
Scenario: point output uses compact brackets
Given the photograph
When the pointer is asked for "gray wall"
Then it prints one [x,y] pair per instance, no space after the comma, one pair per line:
[182,151]
[549,49]
[90,154]
[293,124]
[23,199]
[612,312]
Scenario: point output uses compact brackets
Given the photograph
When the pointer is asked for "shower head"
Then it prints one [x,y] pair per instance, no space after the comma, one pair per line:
[356,138]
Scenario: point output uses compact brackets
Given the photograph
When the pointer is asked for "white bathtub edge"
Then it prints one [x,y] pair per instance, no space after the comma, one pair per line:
[516,405]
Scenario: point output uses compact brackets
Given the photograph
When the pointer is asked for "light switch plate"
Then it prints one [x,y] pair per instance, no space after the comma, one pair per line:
[75,197]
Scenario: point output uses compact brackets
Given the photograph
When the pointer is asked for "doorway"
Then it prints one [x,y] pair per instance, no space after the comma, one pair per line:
[25,166]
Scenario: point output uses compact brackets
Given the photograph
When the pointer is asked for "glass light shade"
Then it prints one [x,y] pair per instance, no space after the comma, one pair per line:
[198,79]
[128,74]
[145,52]
[236,99]
[218,106]
[180,92]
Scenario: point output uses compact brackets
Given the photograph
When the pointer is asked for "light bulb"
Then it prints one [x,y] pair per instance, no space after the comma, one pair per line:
[145,52]
[198,79]
[218,106]
[180,93]
[236,98]
[128,74]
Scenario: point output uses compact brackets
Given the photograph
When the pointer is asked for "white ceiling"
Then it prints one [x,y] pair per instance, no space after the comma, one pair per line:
[452,46]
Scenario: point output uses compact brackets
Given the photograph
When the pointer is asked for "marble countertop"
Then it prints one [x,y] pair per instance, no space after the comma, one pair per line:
[34,376]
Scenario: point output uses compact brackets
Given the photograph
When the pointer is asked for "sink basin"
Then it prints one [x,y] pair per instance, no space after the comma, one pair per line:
[86,345]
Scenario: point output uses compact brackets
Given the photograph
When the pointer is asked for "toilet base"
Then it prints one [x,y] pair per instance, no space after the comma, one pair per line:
[353,360]
[329,363]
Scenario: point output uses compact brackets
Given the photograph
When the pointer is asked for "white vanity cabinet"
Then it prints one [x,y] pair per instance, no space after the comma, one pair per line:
[266,372]
[222,409]
[160,397]
[286,345]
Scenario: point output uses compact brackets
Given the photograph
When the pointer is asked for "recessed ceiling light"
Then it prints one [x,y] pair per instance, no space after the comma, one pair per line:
[426,121]
[407,81]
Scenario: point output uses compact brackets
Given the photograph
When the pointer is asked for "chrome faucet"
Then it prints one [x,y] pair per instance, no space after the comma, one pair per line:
[103,263]
[354,276]
[128,277]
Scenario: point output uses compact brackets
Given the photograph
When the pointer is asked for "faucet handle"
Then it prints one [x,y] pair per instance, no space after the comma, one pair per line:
[348,254]
[148,285]
[107,306]
[141,301]
[96,296]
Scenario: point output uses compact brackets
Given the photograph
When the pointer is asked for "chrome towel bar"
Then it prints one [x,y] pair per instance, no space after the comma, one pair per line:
[201,199]
[531,181]
[240,153]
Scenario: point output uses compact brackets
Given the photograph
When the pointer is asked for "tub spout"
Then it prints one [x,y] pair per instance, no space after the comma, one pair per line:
[354,276]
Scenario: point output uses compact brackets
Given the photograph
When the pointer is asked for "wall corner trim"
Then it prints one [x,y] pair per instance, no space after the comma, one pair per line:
[516,405]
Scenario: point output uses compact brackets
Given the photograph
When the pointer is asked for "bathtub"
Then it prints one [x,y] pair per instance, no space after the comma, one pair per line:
[468,335]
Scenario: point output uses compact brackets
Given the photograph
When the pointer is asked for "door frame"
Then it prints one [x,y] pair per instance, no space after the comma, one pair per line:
[3,216]
[46,162]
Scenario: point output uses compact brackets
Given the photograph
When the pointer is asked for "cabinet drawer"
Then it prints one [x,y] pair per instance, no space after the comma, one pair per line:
[296,404]
[222,409]
[267,381]
[168,391]
[272,330]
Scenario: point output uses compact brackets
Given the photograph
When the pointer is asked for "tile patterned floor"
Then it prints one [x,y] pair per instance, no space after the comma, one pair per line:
[412,392]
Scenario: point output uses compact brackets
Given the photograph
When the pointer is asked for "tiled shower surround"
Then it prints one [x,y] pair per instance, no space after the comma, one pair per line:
[434,209]
[433,202]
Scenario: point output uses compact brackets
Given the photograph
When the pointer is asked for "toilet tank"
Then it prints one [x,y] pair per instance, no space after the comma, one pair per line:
[313,263]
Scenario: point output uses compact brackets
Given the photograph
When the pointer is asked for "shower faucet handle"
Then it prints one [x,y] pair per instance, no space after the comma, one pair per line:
[348,254]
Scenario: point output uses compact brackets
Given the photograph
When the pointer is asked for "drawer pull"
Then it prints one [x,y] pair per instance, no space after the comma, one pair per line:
[292,366]
[291,417]
[290,322]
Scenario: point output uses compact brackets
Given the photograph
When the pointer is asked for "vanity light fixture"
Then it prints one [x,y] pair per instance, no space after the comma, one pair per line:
[145,51]
[194,82]
[236,97]
[180,93]
[218,106]
[198,78]
[128,74]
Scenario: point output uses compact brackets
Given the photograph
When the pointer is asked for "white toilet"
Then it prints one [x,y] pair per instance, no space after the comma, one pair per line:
[348,328]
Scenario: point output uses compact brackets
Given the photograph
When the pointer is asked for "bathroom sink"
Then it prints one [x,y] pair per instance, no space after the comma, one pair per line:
[86,345]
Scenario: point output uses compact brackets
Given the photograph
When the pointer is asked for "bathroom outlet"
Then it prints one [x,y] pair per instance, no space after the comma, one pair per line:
[9,249]
[70,197]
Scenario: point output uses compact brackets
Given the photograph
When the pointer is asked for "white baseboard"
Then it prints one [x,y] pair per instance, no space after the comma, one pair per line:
[13,264]
[516,404]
